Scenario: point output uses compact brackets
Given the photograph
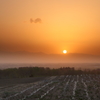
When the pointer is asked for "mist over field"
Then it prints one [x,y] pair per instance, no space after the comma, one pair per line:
[26,57]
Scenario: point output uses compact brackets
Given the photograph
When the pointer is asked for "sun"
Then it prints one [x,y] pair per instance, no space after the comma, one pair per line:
[64,51]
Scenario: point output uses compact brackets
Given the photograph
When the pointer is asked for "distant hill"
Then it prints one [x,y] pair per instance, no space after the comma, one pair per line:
[39,57]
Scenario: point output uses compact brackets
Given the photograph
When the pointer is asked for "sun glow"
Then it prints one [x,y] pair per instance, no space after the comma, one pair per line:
[64,51]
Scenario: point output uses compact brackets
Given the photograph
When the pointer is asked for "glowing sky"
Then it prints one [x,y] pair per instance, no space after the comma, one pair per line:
[50,26]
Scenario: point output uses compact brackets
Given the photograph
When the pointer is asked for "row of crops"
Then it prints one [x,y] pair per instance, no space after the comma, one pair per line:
[70,87]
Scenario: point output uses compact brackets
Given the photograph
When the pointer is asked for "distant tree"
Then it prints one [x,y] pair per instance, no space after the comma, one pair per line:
[41,71]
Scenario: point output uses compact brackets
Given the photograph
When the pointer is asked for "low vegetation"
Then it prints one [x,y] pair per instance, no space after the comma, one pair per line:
[41,71]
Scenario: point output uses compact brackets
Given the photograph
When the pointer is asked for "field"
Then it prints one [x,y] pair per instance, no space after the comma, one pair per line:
[69,87]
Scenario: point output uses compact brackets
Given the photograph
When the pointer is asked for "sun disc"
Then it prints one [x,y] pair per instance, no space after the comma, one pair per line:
[64,51]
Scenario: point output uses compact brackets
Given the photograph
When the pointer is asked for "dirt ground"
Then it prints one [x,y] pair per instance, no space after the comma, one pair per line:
[14,81]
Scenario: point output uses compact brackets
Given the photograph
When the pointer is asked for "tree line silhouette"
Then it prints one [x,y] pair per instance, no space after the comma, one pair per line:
[22,72]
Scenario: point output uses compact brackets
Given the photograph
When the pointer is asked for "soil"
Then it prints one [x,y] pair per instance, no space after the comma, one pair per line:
[14,81]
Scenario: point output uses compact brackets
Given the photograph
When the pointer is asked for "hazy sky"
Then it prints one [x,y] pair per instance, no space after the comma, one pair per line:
[50,26]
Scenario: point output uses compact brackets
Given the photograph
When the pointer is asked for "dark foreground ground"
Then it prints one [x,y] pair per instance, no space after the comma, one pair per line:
[15,81]
[65,87]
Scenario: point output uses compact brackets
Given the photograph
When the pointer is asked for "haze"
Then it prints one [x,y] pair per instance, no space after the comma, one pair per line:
[50,26]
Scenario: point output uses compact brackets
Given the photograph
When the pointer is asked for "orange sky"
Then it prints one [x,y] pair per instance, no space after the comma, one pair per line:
[50,26]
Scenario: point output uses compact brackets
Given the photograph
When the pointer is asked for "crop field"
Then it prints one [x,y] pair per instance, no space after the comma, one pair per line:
[70,87]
